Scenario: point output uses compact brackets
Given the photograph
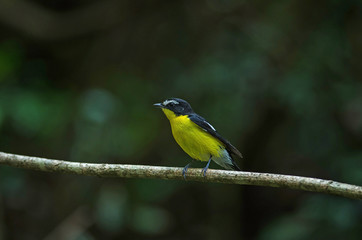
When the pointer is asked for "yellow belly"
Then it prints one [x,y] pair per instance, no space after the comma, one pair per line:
[196,142]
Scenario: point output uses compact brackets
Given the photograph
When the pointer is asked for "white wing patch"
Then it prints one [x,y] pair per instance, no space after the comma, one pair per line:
[210,126]
[170,101]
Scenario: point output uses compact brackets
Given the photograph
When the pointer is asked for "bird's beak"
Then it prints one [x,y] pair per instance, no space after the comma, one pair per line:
[159,105]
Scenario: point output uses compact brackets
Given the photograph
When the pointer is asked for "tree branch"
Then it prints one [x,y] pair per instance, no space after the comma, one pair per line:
[216,176]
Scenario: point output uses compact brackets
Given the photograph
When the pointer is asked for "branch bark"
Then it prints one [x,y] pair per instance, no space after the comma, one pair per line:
[216,176]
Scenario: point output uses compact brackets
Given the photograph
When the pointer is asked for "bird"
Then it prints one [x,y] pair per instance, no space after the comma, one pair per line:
[198,138]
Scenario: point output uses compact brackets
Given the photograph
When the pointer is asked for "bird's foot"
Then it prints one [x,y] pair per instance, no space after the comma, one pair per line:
[184,171]
[204,170]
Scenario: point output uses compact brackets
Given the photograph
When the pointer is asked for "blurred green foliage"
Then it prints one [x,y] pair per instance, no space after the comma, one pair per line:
[281,80]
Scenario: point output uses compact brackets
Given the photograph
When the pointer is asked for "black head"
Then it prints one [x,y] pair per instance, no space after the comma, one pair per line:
[176,105]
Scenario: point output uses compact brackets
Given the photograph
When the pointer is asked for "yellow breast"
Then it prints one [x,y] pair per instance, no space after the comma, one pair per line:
[196,142]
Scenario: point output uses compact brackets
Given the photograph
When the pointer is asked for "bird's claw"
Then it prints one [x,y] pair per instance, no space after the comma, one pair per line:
[184,171]
[203,171]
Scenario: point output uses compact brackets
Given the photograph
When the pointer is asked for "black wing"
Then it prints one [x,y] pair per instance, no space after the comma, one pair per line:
[202,123]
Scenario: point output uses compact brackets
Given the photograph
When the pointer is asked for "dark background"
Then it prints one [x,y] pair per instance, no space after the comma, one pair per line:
[280,79]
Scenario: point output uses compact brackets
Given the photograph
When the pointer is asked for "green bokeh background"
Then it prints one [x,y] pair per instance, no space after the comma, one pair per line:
[282,80]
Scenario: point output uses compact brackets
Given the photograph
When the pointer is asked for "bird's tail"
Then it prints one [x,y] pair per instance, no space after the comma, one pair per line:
[234,166]
[226,161]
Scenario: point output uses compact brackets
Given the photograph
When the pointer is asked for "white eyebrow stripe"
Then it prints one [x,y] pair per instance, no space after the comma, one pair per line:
[170,101]
[210,126]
